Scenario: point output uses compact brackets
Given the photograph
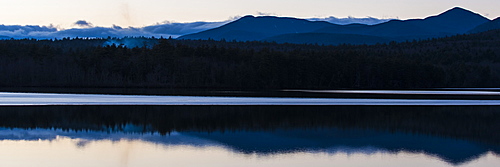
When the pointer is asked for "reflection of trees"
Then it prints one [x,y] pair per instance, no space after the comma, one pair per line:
[466,122]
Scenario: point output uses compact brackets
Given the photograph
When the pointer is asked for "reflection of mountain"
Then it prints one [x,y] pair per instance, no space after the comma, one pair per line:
[52,134]
[349,141]
[326,140]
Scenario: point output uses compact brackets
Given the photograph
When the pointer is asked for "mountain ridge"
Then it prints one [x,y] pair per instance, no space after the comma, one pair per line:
[285,29]
[491,25]
[259,28]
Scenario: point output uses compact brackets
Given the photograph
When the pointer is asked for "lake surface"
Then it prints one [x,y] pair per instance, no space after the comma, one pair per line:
[23,99]
[249,135]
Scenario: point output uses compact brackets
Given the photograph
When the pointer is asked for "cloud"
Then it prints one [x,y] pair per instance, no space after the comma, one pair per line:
[83,23]
[86,29]
[166,29]
[182,28]
[116,27]
[15,31]
[266,14]
[351,20]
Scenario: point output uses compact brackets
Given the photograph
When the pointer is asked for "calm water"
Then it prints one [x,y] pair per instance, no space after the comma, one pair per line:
[247,135]
[24,99]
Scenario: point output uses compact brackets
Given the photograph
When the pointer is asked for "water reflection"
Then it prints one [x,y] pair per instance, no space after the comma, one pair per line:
[137,153]
[322,147]
[252,135]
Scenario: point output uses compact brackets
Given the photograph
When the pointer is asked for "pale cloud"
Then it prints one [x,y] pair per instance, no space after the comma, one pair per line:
[351,20]
[165,29]
[15,31]
[266,14]
[86,29]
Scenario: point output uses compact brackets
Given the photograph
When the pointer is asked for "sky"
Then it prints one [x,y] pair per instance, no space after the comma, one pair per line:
[137,13]
[128,15]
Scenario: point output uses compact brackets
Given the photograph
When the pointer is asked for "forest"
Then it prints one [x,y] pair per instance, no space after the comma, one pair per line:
[469,60]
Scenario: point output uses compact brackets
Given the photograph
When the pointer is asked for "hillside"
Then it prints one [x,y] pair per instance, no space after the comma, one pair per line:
[491,25]
[451,22]
[290,30]
[251,28]
[327,39]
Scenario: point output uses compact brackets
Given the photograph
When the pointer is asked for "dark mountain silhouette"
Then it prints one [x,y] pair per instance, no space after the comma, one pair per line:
[291,30]
[250,28]
[327,38]
[452,22]
[491,25]
[394,30]
[4,37]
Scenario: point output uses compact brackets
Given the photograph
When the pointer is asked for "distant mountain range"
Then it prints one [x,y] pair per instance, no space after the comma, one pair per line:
[491,25]
[293,30]
[250,28]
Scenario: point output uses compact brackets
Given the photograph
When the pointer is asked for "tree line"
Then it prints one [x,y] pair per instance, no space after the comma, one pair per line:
[459,61]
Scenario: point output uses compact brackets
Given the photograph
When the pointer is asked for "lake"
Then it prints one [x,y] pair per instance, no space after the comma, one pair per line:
[24,99]
[61,129]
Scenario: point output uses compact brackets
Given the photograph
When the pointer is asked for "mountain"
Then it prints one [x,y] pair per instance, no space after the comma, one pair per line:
[456,20]
[250,28]
[291,30]
[491,25]
[327,39]
[4,37]
[452,22]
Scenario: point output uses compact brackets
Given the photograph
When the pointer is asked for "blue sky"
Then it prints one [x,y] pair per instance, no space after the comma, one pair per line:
[102,18]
